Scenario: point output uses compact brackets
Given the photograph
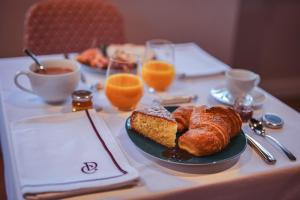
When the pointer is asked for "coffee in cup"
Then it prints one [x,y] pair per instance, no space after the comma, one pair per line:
[53,70]
[56,83]
[240,82]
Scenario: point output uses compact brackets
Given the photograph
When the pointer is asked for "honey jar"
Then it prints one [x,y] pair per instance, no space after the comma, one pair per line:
[81,100]
[244,107]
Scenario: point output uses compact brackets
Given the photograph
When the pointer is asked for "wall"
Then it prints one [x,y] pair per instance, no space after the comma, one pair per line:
[12,14]
[267,41]
[210,23]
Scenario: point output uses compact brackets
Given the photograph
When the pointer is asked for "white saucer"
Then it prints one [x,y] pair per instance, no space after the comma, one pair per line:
[222,95]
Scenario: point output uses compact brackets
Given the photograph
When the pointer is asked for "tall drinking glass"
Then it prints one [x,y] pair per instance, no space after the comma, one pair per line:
[158,70]
[123,87]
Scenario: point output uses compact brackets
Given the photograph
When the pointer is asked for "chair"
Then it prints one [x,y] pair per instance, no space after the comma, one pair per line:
[62,26]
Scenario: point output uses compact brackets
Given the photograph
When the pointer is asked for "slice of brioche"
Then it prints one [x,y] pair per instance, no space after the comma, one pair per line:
[156,124]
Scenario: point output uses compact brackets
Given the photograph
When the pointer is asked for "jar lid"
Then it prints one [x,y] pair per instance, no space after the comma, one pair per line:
[82,95]
[272,121]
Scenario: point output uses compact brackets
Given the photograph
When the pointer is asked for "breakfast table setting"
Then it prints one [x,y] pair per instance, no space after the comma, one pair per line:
[53,148]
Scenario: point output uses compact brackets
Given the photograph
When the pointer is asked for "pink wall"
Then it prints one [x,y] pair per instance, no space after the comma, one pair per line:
[267,41]
[210,23]
[11,26]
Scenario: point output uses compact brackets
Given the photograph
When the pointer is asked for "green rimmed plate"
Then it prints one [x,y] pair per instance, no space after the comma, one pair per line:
[233,151]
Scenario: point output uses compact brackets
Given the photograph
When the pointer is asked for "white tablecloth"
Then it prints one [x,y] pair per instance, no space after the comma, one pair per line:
[249,178]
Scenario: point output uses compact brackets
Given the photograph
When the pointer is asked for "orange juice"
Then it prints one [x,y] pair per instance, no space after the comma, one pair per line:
[124,90]
[158,74]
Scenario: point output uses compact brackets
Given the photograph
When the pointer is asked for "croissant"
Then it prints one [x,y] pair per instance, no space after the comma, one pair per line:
[201,141]
[224,117]
[182,116]
[210,130]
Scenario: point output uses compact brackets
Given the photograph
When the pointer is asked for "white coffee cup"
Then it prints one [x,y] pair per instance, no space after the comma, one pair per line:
[52,88]
[240,82]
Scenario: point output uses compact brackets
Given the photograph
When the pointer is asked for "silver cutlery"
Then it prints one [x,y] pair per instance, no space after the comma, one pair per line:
[40,67]
[264,153]
[258,128]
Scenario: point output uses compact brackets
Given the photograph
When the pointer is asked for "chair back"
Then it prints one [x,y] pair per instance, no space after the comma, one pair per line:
[62,26]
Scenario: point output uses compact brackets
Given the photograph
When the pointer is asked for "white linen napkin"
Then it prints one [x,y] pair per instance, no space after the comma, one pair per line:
[68,154]
[192,61]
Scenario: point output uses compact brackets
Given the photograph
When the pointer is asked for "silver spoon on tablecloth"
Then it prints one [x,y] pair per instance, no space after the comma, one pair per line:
[259,129]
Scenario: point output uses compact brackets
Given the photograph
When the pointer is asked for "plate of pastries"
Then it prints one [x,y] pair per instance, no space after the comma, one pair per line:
[97,59]
[188,135]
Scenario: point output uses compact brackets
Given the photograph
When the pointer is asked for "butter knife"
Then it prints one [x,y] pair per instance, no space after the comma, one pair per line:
[264,153]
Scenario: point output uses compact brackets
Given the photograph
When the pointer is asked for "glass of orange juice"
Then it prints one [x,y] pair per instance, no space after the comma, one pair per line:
[158,70]
[123,87]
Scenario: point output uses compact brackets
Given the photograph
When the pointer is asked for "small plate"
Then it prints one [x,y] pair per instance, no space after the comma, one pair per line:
[138,50]
[222,95]
[234,149]
[93,69]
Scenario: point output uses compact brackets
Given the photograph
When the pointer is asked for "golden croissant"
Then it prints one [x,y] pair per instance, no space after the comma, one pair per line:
[209,129]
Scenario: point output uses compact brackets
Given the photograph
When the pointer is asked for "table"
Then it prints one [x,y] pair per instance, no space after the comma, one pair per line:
[249,178]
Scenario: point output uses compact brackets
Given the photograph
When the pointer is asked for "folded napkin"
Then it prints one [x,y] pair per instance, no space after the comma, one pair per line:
[192,61]
[68,154]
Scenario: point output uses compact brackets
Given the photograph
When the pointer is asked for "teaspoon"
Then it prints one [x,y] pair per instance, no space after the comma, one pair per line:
[40,67]
[258,128]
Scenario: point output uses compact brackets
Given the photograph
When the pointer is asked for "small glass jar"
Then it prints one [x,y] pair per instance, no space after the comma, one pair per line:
[244,107]
[81,100]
